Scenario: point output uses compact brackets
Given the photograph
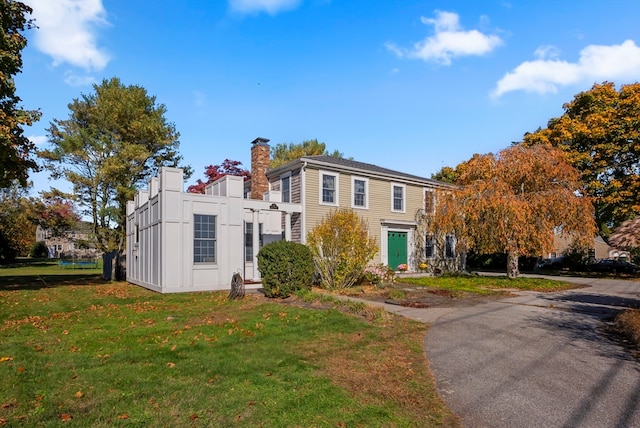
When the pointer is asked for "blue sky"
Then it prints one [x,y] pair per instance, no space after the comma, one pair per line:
[407,85]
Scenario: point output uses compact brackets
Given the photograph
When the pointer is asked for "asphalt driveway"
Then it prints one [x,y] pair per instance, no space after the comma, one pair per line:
[539,359]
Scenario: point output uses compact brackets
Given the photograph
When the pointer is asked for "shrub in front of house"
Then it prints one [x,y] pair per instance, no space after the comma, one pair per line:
[378,275]
[341,248]
[39,250]
[285,267]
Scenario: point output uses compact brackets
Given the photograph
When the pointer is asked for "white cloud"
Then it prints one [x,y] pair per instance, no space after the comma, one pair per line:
[73,79]
[67,31]
[38,140]
[272,7]
[596,62]
[449,41]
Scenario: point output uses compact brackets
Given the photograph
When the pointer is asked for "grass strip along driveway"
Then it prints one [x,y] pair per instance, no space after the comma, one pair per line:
[89,353]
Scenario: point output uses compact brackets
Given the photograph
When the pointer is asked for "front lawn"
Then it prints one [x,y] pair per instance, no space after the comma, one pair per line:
[487,285]
[82,352]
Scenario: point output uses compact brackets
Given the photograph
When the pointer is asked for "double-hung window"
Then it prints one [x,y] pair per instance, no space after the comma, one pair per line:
[204,238]
[429,247]
[329,189]
[360,199]
[397,197]
[285,188]
[450,247]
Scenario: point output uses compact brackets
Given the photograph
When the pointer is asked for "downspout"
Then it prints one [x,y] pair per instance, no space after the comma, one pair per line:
[303,217]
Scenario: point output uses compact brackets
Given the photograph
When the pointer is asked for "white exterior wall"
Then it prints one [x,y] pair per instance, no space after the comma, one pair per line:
[162,218]
[160,233]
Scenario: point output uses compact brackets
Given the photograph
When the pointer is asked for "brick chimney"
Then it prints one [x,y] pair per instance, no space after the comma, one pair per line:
[260,153]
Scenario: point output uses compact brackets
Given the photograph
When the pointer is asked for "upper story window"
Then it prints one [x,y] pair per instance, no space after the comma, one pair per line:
[329,188]
[285,188]
[204,238]
[429,201]
[360,192]
[398,197]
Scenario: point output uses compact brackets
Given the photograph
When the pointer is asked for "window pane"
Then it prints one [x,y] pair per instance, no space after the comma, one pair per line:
[359,195]
[286,189]
[204,235]
[449,248]
[398,198]
[248,242]
[429,247]
[328,188]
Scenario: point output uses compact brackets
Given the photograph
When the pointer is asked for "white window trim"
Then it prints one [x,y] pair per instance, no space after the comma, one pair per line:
[337,195]
[287,175]
[353,193]
[215,240]
[404,197]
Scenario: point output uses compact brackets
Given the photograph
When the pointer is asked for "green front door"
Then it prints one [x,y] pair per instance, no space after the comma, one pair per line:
[397,245]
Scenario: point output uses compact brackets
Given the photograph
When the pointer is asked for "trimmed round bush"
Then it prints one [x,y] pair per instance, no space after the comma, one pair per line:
[285,267]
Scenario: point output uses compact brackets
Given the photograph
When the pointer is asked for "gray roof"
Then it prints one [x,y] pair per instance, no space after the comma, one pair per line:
[365,168]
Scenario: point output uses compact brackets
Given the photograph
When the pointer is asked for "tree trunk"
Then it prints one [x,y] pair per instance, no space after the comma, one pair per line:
[512,265]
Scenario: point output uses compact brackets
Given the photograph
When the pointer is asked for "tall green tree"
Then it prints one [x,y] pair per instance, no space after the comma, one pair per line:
[512,203]
[600,133]
[16,151]
[283,152]
[114,140]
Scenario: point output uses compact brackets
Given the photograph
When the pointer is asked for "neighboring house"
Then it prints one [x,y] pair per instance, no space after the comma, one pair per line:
[178,241]
[600,249]
[74,243]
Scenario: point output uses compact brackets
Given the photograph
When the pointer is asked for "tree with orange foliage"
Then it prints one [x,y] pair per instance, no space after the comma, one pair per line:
[513,202]
[600,133]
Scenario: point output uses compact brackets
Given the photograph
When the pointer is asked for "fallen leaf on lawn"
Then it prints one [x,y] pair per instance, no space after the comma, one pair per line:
[123,416]
[79,394]
[65,417]
[9,404]
[171,365]
[3,359]
[193,417]
[3,422]
[20,369]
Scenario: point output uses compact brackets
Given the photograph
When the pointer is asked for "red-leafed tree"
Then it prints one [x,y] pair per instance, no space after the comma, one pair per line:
[56,213]
[214,172]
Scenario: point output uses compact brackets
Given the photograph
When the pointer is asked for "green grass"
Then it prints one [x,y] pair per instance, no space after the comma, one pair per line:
[90,353]
[487,285]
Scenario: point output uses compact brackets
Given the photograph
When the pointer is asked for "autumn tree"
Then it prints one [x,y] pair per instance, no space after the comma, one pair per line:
[113,142]
[446,175]
[17,230]
[283,153]
[214,172]
[600,133]
[513,202]
[16,150]
[55,212]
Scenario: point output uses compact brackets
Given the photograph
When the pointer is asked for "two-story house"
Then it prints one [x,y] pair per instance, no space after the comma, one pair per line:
[178,241]
[388,200]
